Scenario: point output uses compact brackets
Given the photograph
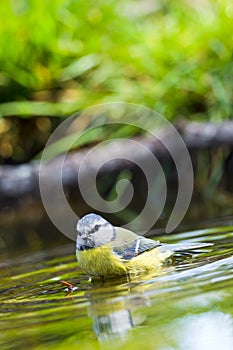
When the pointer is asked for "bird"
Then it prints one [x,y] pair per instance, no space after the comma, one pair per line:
[106,251]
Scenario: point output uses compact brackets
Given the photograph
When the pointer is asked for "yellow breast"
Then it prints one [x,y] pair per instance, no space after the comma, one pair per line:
[101,261]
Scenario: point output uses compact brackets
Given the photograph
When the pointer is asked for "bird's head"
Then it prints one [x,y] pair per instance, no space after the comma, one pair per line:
[93,231]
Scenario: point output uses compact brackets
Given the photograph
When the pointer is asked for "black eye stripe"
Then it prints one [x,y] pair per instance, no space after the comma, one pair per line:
[95,229]
[98,226]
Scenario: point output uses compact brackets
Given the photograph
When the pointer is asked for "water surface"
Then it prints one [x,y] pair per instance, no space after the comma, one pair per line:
[188,305]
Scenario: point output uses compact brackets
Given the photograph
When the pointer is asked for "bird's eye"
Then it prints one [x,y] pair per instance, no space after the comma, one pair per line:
[96,227]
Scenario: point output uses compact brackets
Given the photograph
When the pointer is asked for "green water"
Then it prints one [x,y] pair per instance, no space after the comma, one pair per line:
[188,306]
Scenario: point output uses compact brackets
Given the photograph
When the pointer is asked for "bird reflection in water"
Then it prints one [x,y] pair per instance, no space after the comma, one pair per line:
[117,307]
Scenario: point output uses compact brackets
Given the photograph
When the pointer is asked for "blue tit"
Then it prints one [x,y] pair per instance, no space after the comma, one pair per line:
[104,250]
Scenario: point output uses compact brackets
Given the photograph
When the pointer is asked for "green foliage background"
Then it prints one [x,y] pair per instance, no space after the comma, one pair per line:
[60,56]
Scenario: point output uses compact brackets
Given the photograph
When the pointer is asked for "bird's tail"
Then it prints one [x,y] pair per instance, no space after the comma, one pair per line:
[183,247]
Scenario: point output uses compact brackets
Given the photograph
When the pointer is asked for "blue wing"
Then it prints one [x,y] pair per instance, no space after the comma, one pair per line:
[129,245]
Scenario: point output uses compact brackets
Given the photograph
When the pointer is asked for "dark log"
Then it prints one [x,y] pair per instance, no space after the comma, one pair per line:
[22,181]
[201,135]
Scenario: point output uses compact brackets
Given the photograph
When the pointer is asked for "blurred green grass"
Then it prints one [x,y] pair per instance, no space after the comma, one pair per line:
[59,57]
[175,57]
